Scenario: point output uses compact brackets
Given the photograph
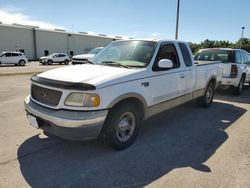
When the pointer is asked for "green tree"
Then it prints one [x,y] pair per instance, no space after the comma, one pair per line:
[244,43]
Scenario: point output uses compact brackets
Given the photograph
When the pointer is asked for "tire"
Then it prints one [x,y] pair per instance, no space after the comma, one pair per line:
[21,63]
[121,126]
[66,62]
[207,99]
[49,62]
[239,89]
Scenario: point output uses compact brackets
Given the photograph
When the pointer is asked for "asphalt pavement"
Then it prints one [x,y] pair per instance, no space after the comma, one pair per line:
[32,67]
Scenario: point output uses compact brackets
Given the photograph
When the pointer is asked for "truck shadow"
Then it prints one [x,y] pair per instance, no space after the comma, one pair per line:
[185,136]
[229,96]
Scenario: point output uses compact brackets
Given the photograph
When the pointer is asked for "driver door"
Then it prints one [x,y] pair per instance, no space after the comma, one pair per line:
[166,84]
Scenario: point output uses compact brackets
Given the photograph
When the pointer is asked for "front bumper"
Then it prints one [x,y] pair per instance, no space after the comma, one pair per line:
[78,61]
[42,61]
[73,125]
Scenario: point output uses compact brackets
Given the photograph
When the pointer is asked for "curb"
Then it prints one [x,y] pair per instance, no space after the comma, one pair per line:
[20,73]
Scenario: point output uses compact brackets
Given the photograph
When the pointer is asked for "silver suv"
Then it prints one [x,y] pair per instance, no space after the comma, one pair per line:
[55,58]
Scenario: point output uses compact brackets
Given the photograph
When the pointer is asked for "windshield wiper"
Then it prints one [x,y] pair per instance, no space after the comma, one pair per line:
[114,64]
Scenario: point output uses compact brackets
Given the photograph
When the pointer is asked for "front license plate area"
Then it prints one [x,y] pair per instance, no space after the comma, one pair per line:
[32,121]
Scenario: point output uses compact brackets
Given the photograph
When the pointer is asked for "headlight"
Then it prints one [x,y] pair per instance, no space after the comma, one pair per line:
[82,100]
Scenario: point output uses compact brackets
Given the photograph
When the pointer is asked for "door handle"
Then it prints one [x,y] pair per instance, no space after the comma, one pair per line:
[182,76]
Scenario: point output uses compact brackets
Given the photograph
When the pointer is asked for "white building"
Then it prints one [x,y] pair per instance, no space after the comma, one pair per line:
[36,42]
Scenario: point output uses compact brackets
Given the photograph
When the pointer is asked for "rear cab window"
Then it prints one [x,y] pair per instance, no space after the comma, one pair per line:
[185,54]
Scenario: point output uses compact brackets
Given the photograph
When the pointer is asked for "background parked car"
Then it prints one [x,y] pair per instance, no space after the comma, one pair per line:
[16,58]
[248,71]
[235,66]
[80,59]
[55,58]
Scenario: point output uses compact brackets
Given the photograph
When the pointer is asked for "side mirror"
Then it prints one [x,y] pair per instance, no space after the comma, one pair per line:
[165,64]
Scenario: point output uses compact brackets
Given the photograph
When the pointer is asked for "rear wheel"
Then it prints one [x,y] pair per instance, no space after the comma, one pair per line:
[121,126]
[207,99]
[21,63]
[238,90]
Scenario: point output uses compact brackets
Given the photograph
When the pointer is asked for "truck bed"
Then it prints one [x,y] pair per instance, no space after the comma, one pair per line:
[199,63]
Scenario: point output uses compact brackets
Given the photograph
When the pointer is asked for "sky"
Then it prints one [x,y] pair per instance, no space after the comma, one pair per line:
[199,19]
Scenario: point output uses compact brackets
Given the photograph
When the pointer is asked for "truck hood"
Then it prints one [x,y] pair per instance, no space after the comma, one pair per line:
[83,56]
[97,75]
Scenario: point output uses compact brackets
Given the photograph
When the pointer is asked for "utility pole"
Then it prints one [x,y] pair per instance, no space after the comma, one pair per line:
[242,33]
[177,20]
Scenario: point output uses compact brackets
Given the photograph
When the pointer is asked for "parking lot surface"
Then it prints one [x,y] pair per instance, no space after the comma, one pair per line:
[30,68]
[186,146]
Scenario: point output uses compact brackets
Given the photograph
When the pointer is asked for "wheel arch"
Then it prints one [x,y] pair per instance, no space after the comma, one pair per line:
[135,99]
[212,80]
[22,60]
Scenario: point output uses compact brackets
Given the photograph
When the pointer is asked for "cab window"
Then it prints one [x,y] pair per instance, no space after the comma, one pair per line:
[15,54]
[7,55]
[245,56]
[167,51]
[238,58]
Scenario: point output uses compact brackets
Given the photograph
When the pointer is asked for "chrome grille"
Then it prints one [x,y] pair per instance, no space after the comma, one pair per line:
[46,96]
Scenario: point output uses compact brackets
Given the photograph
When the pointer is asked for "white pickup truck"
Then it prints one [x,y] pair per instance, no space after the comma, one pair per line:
[127,82]
[235,64]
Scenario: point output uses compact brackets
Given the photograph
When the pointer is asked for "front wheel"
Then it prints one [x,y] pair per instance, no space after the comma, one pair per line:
[50,62]
[238,90]
[66,62]
[121,126]
[207,99]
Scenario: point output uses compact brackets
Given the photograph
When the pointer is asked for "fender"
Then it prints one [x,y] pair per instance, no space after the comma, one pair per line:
[209,80]
[132,95]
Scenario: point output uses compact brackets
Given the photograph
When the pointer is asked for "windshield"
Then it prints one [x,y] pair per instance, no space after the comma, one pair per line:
[126,54]
[95,50]
[215,55]
[2,54]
